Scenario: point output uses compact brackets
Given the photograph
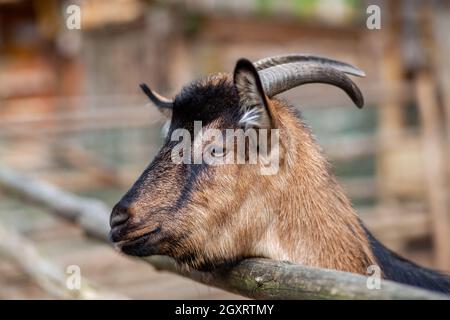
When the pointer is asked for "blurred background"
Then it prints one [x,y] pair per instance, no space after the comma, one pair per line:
[71,114]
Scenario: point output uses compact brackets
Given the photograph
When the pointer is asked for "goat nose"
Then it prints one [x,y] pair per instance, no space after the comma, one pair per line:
[119,215]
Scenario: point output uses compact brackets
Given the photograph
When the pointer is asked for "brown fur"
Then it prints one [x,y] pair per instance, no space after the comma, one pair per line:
[300,214]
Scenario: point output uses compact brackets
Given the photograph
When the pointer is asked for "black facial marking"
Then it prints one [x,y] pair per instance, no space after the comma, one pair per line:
[192,172]
[206,100]
[210,100]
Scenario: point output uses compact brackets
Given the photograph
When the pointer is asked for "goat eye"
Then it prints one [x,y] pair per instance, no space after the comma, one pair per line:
[217,151]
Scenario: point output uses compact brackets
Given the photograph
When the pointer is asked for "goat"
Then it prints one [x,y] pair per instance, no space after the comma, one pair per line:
[206,216]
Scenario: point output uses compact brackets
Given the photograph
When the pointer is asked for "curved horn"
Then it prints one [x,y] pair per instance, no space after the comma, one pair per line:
[286,76]
[157,99]
[277,60]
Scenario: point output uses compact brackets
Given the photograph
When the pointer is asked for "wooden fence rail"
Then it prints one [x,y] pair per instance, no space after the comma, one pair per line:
[253,278]
[49,276]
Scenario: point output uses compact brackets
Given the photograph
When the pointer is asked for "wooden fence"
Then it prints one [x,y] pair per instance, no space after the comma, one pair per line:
[253,278]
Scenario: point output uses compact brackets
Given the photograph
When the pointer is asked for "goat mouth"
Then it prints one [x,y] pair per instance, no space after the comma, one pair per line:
[137,240]
[145,245]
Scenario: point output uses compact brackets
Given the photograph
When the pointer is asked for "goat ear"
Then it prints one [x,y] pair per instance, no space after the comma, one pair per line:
[253,101]
[163,104]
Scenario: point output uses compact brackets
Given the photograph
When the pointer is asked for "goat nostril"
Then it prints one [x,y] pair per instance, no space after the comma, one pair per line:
[118,219]
[119,216]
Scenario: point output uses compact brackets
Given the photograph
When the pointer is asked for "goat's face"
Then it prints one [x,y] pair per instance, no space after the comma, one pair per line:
[195,212]
[188,211]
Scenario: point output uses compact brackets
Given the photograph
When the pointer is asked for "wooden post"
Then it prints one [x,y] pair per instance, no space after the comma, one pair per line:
[45,273]
[391,115]
[441,23]
[434,146]
[435,166]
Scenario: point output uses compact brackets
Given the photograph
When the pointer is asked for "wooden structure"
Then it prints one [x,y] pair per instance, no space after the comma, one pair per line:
[254,278]
[71,112]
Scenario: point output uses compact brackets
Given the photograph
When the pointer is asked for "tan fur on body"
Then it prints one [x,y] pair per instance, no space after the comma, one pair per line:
[300,214]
